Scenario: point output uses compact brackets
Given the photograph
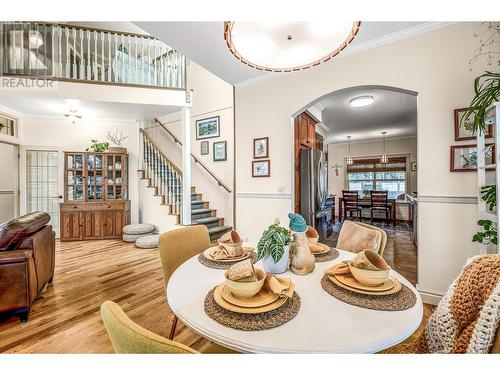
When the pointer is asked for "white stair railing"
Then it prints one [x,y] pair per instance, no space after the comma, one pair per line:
[162,173]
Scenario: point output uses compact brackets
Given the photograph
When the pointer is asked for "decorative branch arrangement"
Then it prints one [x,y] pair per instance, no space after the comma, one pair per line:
[489,44]
[116,137]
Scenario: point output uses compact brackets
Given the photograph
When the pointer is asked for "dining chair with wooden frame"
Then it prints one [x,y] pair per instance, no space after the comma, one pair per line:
[351,203]
[379,202]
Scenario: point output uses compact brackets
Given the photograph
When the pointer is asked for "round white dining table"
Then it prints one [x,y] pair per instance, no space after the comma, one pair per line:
[323,324]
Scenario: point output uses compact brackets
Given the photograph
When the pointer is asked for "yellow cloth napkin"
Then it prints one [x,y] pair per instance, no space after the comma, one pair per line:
[219,252]
[279,285]
[338,269]
[316,247]
[232,243]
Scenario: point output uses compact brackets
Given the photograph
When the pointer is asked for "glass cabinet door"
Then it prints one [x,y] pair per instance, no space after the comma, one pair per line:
[116,175]
[74,177]
[95,173]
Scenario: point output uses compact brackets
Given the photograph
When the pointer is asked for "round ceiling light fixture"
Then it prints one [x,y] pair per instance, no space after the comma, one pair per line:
[288,46]
[361,101]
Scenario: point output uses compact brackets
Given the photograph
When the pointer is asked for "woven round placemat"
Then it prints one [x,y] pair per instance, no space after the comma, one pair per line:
[222,265]
[325,257]
[402,300]
[252,322]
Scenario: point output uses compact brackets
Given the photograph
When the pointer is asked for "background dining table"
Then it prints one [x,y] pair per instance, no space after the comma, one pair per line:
[323,324]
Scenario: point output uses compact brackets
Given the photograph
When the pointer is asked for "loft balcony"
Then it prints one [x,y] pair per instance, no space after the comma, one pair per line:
[70,53]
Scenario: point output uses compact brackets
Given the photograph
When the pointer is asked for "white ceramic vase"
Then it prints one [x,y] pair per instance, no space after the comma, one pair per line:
[281,266]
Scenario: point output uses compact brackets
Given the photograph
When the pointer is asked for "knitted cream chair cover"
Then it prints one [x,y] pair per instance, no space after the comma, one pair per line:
[467,317]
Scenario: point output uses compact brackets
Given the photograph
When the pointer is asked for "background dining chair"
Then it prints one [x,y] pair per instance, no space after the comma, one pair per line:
[351,203]
[177,246]
[127,337]
[355,237]
[379,202]
[383,237]
[464,320]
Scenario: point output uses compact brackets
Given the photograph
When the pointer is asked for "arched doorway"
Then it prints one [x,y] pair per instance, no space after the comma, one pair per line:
[349,140]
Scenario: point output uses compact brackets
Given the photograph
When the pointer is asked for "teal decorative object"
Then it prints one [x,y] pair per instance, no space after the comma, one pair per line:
[297,223]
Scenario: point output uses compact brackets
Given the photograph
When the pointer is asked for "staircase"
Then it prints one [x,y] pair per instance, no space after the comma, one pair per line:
[165,180]
[202,214]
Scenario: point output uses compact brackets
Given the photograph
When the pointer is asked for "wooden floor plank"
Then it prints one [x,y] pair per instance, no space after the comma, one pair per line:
[66,318]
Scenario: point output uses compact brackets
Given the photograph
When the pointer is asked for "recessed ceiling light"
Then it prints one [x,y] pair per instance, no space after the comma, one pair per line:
[288,46]
[361,101]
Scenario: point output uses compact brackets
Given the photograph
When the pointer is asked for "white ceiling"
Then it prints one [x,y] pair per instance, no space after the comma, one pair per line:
[37,106]
[203,42]
[393,111]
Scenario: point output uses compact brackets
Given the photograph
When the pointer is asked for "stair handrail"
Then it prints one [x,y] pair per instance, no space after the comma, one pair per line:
[198,161]
[177,169]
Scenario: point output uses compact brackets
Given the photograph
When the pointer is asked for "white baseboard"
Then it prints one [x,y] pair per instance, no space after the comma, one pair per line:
[430,298]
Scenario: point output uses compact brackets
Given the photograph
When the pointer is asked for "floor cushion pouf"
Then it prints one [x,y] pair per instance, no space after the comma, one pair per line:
[132,237]
[138,229]
[147,242]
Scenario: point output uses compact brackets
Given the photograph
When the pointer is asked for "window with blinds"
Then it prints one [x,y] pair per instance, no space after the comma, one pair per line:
[370,174]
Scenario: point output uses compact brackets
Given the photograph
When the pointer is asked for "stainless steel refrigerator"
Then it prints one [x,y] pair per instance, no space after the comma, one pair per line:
[314,189]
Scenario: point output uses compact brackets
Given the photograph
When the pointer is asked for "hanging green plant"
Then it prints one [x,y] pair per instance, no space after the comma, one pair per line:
[97,146]
[487,92]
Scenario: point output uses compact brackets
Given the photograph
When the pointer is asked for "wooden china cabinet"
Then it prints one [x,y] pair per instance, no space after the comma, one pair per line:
[96,204]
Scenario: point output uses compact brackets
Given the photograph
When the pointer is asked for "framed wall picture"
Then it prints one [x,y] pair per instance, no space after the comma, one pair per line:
[464,132]
[208,128]
[261,148]
[413,166]
[463,158]
[204,147]
[261,168]
[220,151]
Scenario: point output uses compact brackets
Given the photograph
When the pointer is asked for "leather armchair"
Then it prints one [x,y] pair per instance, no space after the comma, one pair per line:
[27,261]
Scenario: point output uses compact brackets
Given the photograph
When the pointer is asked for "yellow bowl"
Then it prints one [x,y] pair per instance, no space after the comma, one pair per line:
[246,289]
[369,277]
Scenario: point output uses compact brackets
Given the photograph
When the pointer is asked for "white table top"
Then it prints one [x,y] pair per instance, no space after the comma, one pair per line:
[323,325]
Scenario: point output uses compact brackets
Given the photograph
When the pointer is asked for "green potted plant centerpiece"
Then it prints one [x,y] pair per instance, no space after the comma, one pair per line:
[97,146]
[274,248]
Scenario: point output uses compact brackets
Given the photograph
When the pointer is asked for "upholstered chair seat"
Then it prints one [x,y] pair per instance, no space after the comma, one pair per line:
[356,237]
[127,337]
[177,246]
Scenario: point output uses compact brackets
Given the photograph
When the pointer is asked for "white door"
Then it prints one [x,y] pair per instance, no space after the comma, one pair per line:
[42,184]
[8,182]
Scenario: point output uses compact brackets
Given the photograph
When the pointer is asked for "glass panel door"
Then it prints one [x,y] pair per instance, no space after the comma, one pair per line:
[95,184]
[74,177]
[42,184]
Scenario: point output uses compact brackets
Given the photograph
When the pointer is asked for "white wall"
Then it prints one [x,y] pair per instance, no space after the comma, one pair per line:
[435,65]
[337,152]
[60,134]
[211,97]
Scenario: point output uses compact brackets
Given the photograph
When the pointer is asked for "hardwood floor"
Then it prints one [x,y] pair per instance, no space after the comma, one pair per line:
[400,251]
[66,318]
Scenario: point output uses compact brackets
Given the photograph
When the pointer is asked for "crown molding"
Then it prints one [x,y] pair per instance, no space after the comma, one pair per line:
[357,48]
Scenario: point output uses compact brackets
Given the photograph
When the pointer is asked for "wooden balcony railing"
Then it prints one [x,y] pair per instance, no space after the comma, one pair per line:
[66,52]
